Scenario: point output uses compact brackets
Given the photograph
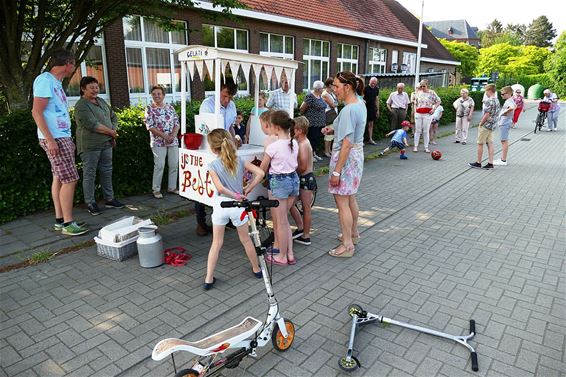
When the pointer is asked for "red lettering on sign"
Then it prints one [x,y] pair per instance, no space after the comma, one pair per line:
[197,184]
[187,181]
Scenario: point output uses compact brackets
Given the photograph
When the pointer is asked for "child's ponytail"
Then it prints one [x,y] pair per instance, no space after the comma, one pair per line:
[221,143]
[291,132]
[281,119]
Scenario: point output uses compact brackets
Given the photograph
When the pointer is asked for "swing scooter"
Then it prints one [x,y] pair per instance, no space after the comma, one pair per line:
[245,337]
[360,317]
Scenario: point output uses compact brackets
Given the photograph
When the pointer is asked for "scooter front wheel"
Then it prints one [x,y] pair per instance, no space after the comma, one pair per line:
[280,343]
[187,373]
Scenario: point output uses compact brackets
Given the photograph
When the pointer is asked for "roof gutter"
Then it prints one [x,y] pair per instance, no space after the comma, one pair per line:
[307,24]
[440,61]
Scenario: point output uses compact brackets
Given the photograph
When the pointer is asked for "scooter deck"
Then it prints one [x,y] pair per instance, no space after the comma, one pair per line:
[208,345]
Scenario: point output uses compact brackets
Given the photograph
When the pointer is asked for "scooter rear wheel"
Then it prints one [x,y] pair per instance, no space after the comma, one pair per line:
[187,373]
[348,365]
[280,343]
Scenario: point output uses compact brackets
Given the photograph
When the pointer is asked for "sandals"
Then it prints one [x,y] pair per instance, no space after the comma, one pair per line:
[355,239]
[271,259]
[347,253]
[292,261]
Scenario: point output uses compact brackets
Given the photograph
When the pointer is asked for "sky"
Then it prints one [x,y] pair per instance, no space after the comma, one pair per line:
[480,13]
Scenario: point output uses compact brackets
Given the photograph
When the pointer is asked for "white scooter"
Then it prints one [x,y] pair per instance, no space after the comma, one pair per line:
[245,337]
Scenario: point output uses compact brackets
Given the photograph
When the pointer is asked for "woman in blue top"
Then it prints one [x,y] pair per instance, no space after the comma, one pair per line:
[347,161]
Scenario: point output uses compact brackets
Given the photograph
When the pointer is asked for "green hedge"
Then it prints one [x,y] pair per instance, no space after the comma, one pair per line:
[25,175]
[526,80]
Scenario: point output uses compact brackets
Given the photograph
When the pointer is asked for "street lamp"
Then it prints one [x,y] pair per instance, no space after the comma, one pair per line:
[418,67]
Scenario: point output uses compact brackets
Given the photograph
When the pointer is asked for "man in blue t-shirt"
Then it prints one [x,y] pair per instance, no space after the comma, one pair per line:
[51,115]
[399,140]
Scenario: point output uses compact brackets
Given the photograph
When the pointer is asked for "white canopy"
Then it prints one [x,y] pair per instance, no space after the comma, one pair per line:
[216,61]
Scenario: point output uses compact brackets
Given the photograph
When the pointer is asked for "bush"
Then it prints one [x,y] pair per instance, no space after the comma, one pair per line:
[25,175]
[526,80]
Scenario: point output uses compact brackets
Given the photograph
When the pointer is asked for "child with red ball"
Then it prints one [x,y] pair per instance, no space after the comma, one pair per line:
[399,140]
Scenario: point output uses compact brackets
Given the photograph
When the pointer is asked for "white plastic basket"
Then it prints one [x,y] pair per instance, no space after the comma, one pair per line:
[123,229]
[116,251]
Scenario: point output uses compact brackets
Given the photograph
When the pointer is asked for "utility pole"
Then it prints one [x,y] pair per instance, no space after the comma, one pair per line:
[418,67]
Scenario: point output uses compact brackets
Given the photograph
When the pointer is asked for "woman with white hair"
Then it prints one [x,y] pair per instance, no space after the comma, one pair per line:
[464,110]
[425,102]
[313,108]
[554,110]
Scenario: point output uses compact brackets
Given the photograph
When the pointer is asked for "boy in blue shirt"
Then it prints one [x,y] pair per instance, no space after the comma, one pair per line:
[399,140]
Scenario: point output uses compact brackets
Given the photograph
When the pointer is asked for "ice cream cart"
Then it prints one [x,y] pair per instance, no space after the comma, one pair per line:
[194,178]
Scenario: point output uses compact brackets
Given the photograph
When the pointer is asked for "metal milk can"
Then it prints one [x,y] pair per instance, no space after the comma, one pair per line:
[150,247]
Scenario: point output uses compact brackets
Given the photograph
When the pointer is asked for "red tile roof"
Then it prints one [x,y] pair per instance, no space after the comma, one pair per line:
[369,16]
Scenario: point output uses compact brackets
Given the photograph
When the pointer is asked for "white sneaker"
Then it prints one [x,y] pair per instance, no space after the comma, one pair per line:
[548,129]
[427,150]
[500,163]
[415,149]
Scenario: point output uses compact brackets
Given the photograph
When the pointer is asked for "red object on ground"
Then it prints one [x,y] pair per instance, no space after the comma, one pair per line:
[176,259]
[436,154]
[192,141]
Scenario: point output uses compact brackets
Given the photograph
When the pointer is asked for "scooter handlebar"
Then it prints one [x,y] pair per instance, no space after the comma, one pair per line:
[258,203]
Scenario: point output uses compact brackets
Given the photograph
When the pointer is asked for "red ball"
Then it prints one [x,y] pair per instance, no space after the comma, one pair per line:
[436,154]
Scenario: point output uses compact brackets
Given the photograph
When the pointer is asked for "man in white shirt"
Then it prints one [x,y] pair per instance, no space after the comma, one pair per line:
[282,98]
[398,103]
[227,107]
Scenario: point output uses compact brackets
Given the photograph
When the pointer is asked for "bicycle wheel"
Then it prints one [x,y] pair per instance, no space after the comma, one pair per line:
[538,122]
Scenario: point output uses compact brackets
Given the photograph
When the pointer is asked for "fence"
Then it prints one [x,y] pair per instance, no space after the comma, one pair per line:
[390,80]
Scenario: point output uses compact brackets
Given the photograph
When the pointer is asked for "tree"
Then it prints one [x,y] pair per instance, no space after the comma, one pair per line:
[556,66]
[513,34]
[466,54]
[530,61]
[496,58]
[489,35]
[31,30]
[512,60]
[516,32]
[540,32]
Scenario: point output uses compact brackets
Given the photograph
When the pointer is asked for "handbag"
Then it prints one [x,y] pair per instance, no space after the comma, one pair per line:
[331,115]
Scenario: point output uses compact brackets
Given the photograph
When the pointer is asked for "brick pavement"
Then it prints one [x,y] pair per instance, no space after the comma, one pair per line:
[440,244]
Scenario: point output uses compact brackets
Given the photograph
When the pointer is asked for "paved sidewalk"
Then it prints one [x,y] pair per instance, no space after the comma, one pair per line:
[441,244]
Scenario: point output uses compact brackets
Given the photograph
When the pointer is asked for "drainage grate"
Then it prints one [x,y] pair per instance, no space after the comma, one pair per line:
[525,139]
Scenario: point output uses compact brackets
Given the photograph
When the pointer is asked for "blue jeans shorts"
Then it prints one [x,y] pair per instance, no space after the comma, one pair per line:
[504,131]
[284,185]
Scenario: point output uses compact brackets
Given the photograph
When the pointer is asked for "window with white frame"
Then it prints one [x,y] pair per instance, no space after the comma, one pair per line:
[409,62]
[316,56]
[226,37]
[347,58]
[377,60]
[275,45]
[150,56]
[94,65]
